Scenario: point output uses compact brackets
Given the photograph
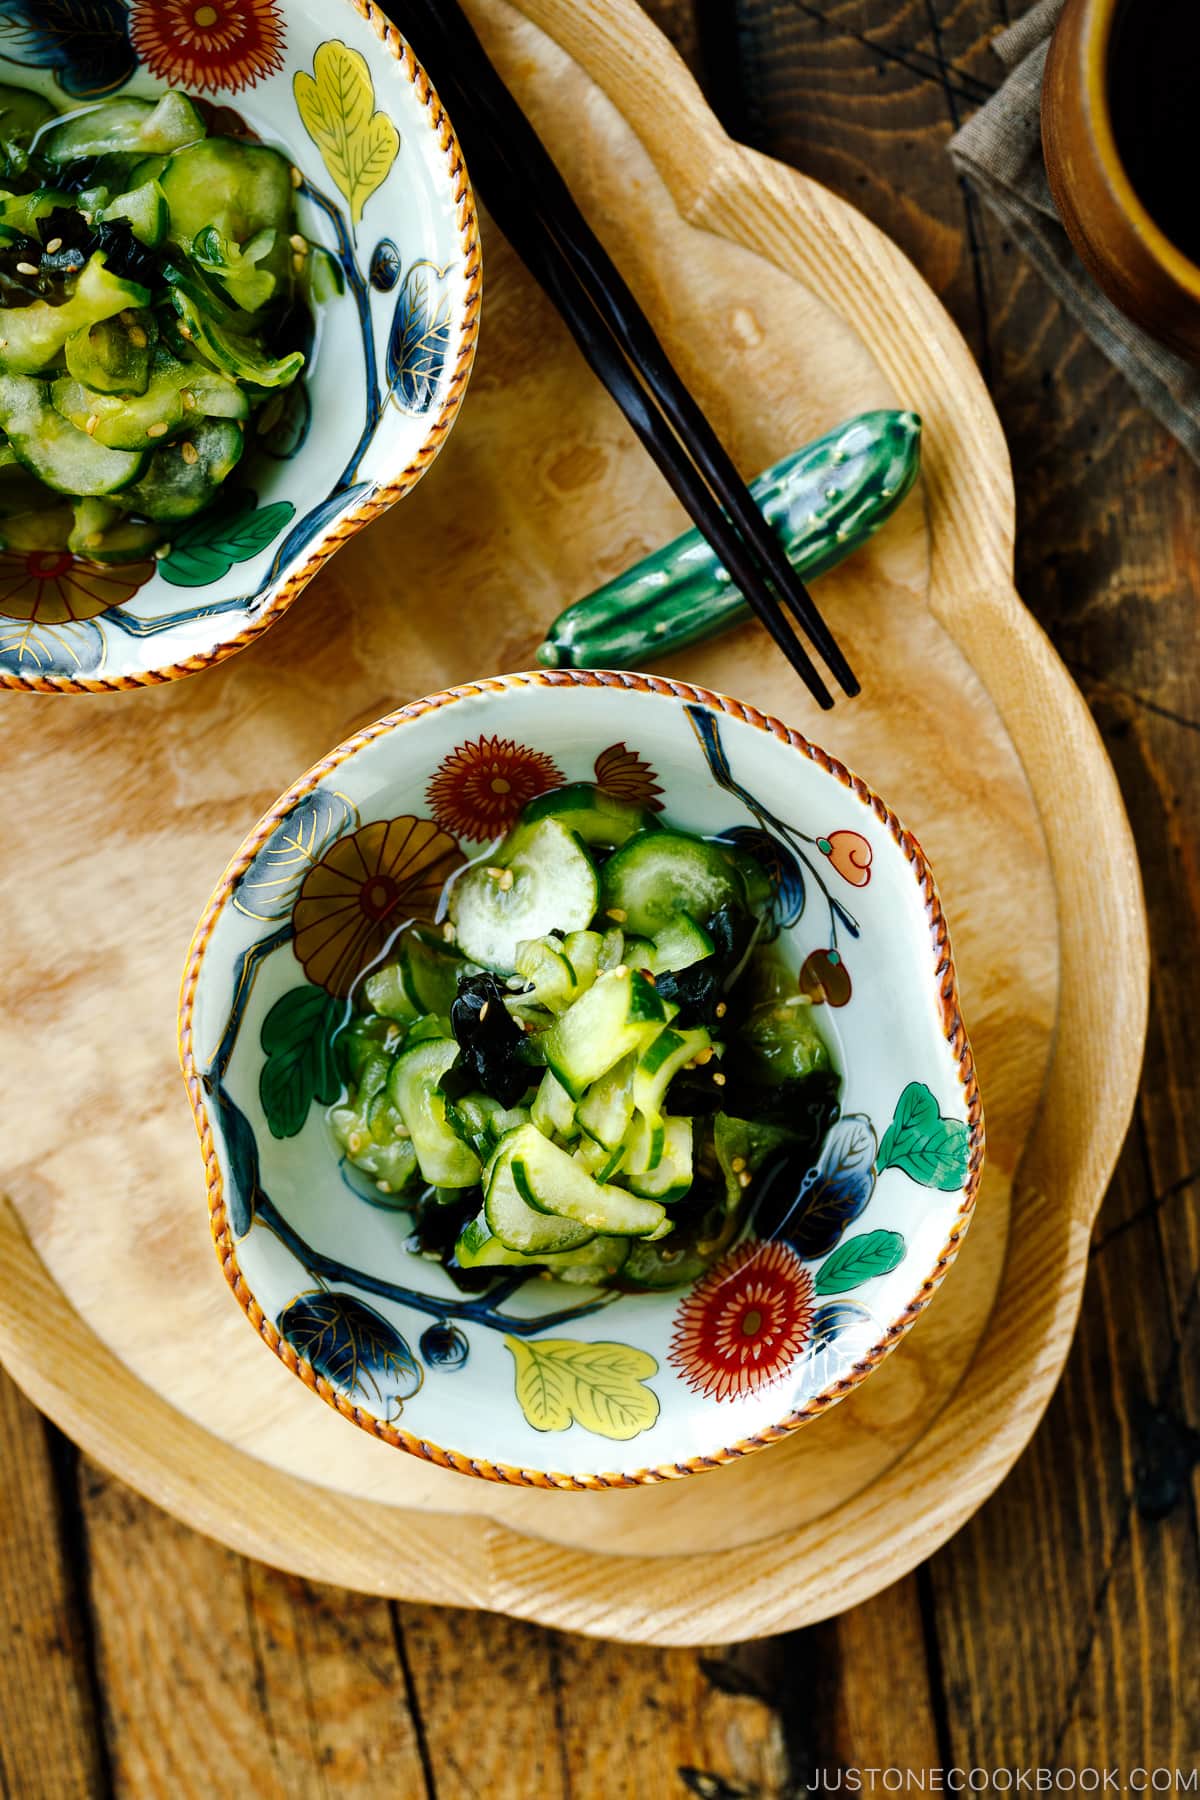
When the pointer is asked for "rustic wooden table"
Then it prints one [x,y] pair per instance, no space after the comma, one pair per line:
[1060,1627]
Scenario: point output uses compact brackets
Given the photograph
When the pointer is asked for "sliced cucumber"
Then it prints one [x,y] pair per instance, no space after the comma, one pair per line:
[230,352]
[175,486]
[121,421]
[550,1181]
[554,1109]
[593,1265]
[582,951]
[113,355]
[444,1160]
[235,265]
[21,212]
[593,815]
[659,1064]
[612,949]
[22,113]
[780,1041]
[544,963]
[606,1110]
[391,1162]
[239,188]
[387,993]
[123,128]
[758,884]
[34,335]
[550,883]
[478,1247]
[124,541]
[519,1225]
[679,944]
[147,211]
[601,1164]
[659,1163]
[659,874]
[619,1013]
[65,459]
[46,528]
[431,970]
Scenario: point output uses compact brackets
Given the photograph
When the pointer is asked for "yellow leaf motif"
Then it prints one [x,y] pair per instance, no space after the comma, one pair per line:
[598,1386]
[337,105]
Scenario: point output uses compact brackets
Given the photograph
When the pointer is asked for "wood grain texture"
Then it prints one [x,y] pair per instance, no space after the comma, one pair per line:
[1099,1517]
[560,499]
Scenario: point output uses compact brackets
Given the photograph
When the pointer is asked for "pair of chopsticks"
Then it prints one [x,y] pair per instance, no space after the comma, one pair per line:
[533,206]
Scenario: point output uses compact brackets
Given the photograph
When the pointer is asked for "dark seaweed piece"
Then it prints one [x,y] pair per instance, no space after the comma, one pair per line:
[71,177]
[437,1226]
[17,253]
[807,1105]
[491,1044]
[700,989]
[124,255]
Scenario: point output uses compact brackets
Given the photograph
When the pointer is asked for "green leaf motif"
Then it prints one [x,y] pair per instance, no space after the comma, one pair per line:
[337,106]
[300,1067]
[931,1149]
[560,1381]
[859,1259]
[206,550]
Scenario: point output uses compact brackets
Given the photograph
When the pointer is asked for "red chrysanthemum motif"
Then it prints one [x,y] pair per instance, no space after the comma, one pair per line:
[745,1323]
[52,587]
[623,774]
[208,44]
[480,788]
[352,902]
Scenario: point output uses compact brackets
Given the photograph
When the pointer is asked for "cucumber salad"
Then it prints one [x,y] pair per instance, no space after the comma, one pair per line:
[149,315]
[597,1066]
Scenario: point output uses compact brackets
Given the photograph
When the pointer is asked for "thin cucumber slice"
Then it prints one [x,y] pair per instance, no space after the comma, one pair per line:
[519,1225]
[22,114]
[544,963]
[52,449]
[478,1247]
[659,1064]
[21,212]
[34,335]
[582,951]
[113,355]
[679,944]
[431,970]
[444,1160]
[175,486]
[593,815]
[670,1177]
[612,949]
[594,1265]
[123,128]
[147,211]
[758,885]
[125,541]
[606,1110]
[392,1164]
[596,1161]
[549,883]
[659,874]
[549,1180]
[121,421]
[554,1109]
[239,188]
[47,528]
[619,1013]
[387,994]
[780,1041]
[230,352]
[235,265]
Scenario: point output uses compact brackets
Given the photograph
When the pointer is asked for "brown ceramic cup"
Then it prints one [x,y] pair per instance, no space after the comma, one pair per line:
[1131,257]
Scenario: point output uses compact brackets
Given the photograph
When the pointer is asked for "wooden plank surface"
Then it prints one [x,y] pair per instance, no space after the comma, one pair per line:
[1061,1625]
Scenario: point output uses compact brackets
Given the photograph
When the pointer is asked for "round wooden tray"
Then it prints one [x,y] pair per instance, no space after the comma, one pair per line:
[786,312]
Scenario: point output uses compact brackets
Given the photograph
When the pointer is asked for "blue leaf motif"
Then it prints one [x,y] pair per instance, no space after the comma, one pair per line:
[84,41]
[420,339]
[385,266]
[242,1188]
[29,648]
[841,1319]
[271,881]
[354,1348]
[306,529]
[838,1189]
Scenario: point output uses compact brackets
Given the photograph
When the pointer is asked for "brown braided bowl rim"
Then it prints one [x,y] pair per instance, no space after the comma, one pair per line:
[952,1025]
[380,498]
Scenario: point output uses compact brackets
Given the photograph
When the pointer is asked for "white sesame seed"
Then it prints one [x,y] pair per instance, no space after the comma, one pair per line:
[737,1164]
[483,1011]
[188,398]
[54,245]
[299,244]
[189,452]
[722,1009]
[620,970]
[90,423]
[297,177]
[137,337]
[158,430]
[745,1178]
[719,1079]
[615,912]
[27,268]
[506,880]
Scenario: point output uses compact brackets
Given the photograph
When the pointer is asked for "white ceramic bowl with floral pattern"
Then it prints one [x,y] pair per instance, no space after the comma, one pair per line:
[540,1383]
[384,191]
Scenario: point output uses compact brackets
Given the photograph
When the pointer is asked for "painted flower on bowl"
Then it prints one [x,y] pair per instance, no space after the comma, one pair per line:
[49,587]
[850,854]
[745,1323]
[203,45]
[351,902]
[627,776]
[480,788]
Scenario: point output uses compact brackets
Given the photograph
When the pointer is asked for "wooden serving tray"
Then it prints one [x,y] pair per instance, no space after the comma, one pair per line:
[786,312]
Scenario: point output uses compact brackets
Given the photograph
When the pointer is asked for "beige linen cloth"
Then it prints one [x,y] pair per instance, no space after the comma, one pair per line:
[1000,150]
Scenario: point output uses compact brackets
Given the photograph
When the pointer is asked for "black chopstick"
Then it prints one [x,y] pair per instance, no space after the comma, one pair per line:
[506,138]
